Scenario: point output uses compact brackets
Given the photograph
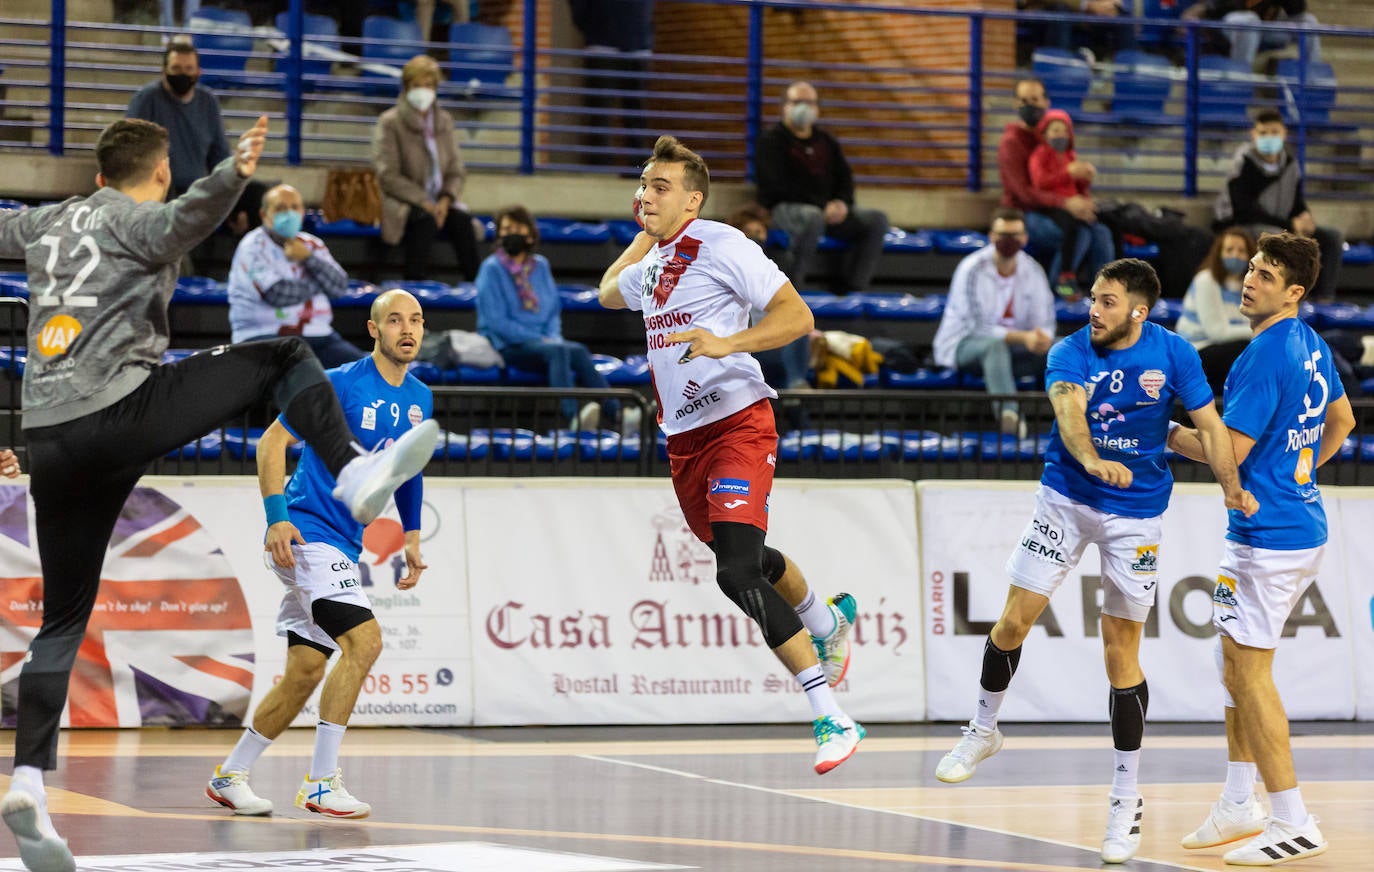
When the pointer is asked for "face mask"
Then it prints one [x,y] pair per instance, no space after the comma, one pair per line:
[181,83]
[802,115]
[420,98]
[287,223]
[1234,265]
[1031,115]
[515,244]
[1270,146]
[1007,246]
[1058,143]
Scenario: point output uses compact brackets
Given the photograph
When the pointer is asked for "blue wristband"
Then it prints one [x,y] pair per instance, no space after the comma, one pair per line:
[275,506]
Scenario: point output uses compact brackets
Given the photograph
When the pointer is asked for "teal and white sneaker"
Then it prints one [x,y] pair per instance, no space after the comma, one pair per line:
[833,651]
[836,741]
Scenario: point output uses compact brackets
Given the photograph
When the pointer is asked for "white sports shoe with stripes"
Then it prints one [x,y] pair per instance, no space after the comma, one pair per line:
[1228,822]
[1279,843]
[1123,830]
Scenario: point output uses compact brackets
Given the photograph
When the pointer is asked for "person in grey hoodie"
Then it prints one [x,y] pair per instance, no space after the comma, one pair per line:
[99,406]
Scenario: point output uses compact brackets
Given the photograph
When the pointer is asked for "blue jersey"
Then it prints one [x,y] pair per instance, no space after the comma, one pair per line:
[1277,393]
[1131,394]
[377,412]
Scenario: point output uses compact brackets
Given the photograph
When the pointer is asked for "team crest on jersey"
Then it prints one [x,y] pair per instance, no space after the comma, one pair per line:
[1152,382]
[1146,559]
[684,256]
[415,414]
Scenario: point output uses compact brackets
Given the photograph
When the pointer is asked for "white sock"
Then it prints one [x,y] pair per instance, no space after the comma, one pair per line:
[818,693]
[249,748]
[29,779]
[328,738]
[1288,806]
[989,704]
[1126,767]
[816,615]
[1240,781]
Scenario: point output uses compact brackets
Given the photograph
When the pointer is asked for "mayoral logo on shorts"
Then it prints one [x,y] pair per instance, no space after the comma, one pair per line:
[1225,596]
[1146,559]
[1152,382]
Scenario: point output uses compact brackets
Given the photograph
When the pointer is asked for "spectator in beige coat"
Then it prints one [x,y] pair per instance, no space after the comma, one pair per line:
[420,169]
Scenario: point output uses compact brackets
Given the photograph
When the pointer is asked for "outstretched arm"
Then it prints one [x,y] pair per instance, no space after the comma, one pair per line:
[1214,439]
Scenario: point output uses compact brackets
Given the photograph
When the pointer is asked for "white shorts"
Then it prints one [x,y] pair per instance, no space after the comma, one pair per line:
[321,572]
[1257,589]
[1053,544]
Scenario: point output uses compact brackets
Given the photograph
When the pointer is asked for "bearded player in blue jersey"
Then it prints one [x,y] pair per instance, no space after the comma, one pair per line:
[1287,414]
[313,545]
[1113,385]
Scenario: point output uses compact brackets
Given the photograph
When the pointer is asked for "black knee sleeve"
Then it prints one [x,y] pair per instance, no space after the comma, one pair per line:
[998,667]
[774,564]
[740,574]
[1127,707]
[337,618]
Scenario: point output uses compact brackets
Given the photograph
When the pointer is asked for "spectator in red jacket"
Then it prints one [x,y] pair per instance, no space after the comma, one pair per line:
[1056,169]
[1095,249]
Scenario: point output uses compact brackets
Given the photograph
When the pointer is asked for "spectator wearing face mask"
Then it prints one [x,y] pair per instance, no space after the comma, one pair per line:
[195,130]
[420,171]
[806,182]
[281,281]
[1056,169]
[1211,318]
[1264,194]
[520,313]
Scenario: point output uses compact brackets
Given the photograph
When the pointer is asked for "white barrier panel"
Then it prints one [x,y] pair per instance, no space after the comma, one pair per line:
[593,603]
[1357,537]
[969,529]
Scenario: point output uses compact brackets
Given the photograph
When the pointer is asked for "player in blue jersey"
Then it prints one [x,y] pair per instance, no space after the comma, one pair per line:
[314,545]
[1287,414]
[1113,385]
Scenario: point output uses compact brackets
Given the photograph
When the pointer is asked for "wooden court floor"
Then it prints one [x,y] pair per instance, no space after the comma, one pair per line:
[603,799]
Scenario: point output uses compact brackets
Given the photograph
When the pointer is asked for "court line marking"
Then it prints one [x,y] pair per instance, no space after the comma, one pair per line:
[923,859]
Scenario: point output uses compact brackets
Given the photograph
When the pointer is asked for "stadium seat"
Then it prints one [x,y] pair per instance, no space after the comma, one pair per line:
[1342,316]
[1148,251]
[634,371]
[315,223]
[899,241]
[389,42]
[901,307]
[1225,89]
[207,447]
[1140,86]
[1358,254]
[923,379]
[1167,12]
[579,298]
[481,59]
[223,42]
[576,232]
[1307,99]
[463,446]
[1067,77]
[200,291]
[325,31]
[958,242]
[824,305]
[1071,313]
[242,444]
[623,231]
[12,204]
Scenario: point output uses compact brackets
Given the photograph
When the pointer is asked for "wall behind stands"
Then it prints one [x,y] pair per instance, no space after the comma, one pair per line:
[577,601]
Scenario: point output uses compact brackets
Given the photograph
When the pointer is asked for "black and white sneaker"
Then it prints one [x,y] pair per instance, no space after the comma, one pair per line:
[1279,843]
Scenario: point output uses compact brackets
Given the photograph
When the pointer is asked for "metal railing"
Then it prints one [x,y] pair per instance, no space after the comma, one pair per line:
[901,123]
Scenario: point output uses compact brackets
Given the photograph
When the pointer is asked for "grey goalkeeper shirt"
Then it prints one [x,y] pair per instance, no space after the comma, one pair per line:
[102,270]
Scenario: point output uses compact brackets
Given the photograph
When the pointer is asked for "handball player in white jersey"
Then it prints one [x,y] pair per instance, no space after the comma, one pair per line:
[696,281]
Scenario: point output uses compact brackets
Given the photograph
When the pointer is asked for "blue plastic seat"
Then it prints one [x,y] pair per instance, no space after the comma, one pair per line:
[14,286]
[12,204]
[607,445]
[1225,90]
[481,59]
[1140,87]
[623,231]
[479,375]
[959,242]
[1313,95]
[923,379]
[633,371]
[1067,77]
[326,32]
[463,446]
[242,444]
[580,298]
[200,291]
[1167,312]
[1148,251]
[608,366]
[523,377]
[576,232]
[902,307]
[825,305]
[899,241]
[207,447]
[1342,316]
[359,295]
[343,227]
[223,53]
[510,443]
[1166,12]
[1358,254]
[1071,313]
[390,42]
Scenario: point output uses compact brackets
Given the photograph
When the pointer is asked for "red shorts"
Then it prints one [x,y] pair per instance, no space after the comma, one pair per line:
[724,471]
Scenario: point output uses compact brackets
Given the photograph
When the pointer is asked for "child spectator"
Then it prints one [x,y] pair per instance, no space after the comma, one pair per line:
[1055,168]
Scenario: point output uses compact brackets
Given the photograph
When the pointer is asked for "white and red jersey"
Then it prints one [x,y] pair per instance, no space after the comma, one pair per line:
[707,275]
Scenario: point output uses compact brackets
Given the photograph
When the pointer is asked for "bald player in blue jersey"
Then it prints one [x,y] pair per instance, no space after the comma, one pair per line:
[1113,385]
[1287,414]
[314,545]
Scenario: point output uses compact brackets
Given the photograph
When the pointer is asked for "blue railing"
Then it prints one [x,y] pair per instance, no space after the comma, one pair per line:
[538,122]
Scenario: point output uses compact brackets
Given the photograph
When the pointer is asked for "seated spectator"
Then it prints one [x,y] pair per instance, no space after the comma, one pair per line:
[420,171]
[1056,169]
[1264,194]
[806,182]
[1211,318]
[1245,44]
[195,129]
[999,318]
[754,221]
[281,280]
[1094,34]
[1095,249]
[519,312]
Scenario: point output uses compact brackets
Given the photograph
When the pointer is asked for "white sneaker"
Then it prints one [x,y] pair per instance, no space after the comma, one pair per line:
[631,419]
[836,740]
[1227,822]
[833,651]
[587,418]
[329,797]
[1123,830]
[1279,843]
[231,790]
[41,849]
[368,481]
[976,746]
